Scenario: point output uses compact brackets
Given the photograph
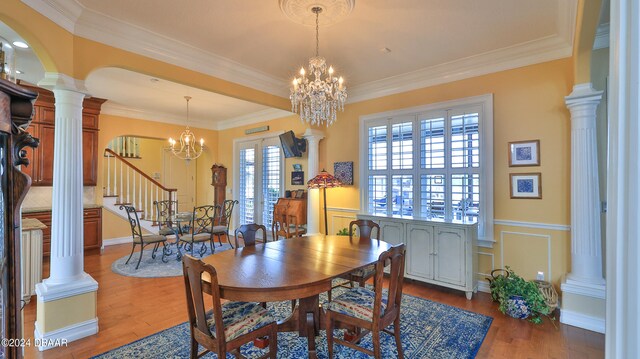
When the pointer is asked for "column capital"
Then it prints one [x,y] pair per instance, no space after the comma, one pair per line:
[583,94]
[313,134]
[58,81]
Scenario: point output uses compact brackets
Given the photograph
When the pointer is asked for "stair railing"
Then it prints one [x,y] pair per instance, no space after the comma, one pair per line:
[132,186]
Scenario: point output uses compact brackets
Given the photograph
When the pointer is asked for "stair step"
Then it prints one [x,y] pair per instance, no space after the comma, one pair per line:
[110,196]
[122,204]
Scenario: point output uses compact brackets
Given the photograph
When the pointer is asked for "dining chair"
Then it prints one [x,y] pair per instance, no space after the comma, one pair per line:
[224,327]
[144,239]
[248,233]
[200,229]
[223,219]
[368,310]
[165,209]
[284,225]
[361,276]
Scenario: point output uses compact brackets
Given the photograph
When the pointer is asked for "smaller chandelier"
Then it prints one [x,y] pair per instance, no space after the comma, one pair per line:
[318,100]
[187,150]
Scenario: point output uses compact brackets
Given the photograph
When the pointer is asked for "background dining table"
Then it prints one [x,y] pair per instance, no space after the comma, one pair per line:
[296,268]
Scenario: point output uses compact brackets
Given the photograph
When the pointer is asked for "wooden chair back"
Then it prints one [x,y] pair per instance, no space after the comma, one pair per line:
[192,271]
[248,233]
[365,228]
[394,257]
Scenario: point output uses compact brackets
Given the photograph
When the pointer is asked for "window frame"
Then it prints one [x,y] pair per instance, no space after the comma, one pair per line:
[484,105]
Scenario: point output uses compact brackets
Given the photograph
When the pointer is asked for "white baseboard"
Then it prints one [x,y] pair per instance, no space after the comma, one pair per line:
[579,320]
[483,286]
[62,336]
[114,241]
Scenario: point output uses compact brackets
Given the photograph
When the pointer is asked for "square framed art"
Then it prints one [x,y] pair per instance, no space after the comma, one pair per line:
[524,153]
[526,185]
[343,171]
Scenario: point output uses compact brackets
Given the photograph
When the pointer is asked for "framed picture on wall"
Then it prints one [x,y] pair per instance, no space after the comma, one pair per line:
[297,178]
[524,153]
[343,171]
[526,185]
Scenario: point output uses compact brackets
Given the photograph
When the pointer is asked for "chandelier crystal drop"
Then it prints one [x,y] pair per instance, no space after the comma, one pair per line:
[187,149]
[318,100]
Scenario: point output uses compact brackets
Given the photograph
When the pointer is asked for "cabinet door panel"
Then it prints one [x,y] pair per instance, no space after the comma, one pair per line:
[89,156]
[392,232]
[420,251]
[92,233]
[47,115]
[47,137]
[449,254]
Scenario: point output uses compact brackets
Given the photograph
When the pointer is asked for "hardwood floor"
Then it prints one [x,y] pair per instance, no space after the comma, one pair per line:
[132,308]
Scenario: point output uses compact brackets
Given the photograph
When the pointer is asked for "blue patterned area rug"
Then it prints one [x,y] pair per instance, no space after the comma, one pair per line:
[429,330]
[155,268]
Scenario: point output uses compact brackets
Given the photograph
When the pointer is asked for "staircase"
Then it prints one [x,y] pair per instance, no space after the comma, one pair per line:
[126,184]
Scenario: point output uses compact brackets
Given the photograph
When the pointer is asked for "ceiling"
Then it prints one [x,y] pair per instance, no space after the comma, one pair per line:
[254,43]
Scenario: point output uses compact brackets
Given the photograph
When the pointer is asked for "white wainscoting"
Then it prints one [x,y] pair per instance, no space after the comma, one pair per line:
[348,214]
[483,285]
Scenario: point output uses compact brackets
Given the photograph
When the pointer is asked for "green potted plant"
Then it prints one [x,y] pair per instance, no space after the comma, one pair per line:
[343,232]
[517,297]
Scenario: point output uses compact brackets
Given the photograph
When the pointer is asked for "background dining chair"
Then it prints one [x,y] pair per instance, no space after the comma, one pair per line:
[200,229]
[226,326]
[143,239]
[223,219]
[164,212]
[248,233]
[284,225]
[367,310]
[366,230]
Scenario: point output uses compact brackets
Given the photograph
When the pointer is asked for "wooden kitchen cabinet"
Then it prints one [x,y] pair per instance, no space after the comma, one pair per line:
[40,168]
[92,228]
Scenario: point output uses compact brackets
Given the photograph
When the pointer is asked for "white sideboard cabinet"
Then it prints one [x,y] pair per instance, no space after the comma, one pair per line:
[438,252]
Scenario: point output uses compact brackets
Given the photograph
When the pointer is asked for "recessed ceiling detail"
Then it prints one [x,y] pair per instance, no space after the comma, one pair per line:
[333,11]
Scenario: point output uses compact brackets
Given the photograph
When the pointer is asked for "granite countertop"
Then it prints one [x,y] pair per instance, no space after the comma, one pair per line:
[31,224]
[48,209]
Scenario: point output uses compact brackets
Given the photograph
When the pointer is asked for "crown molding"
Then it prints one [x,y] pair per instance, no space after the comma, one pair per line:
[109,108]
[112,109]
[251,118]
[98,27]
[550,48]
[65,13]
[602,37]
[533,52]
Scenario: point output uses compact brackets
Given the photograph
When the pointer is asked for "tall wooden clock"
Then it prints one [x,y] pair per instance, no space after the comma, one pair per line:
[219,183]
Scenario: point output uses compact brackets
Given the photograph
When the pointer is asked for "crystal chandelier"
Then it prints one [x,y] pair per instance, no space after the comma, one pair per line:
[319,99]
[187,149]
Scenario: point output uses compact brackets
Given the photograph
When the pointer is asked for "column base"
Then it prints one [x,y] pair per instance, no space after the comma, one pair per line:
[583,305]
[65,312]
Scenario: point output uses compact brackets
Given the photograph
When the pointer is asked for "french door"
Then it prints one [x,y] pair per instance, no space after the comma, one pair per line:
[259,179]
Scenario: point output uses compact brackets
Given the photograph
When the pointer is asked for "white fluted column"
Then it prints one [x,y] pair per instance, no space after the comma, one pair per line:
[586,243]
[583,289]
[68,286]
[313,138]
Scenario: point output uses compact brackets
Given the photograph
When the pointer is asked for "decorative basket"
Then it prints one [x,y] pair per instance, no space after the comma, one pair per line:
[549,293]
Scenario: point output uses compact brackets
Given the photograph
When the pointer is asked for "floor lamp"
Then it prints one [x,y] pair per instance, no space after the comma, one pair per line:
[324,180]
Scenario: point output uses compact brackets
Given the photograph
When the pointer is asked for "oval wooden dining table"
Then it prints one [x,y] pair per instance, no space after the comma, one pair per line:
[296,268]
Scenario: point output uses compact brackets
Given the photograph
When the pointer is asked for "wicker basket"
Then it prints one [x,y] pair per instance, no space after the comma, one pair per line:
[549,293]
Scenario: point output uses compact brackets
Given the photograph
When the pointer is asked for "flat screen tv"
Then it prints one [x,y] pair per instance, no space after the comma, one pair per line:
[292,146]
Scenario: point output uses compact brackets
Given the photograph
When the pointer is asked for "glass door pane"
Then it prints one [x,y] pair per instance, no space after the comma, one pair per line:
[247,185]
